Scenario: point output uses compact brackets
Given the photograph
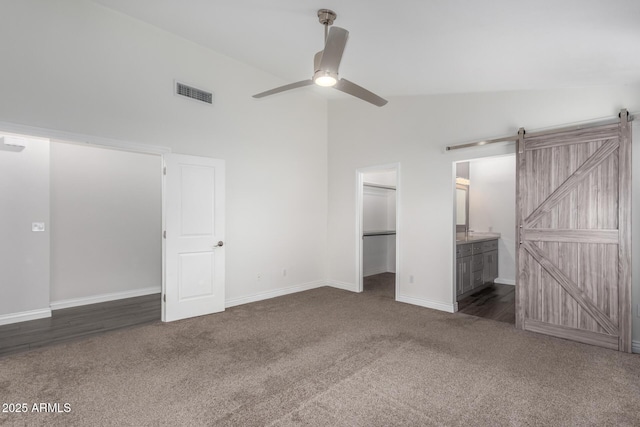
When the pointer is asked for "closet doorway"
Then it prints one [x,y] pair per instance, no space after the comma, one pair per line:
[377,216]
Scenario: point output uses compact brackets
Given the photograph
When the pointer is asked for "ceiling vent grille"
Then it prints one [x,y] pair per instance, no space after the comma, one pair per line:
[194,93]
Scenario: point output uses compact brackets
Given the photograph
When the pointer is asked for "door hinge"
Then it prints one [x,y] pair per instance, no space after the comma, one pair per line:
[164,298]
[164,234]
[164,170]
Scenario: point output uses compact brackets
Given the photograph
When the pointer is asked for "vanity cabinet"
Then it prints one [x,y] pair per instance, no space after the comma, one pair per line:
[463,275]
[463,269]
[490,257]
[490,271]
[476,265]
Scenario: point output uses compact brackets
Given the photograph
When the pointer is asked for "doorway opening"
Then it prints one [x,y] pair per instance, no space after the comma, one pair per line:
[378,227]
[485,237]
[84,223]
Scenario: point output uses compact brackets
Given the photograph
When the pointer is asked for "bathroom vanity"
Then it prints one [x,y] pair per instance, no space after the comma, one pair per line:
[476,262]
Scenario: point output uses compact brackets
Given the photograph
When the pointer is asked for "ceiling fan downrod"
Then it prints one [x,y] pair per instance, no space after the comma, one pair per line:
[326,18]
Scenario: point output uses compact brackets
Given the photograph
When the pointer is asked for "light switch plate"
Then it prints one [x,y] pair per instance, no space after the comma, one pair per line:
[37,226]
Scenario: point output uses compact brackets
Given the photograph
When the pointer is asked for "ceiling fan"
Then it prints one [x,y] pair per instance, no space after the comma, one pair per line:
[326,64]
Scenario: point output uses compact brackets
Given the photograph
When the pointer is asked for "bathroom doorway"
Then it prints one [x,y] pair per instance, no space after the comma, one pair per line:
[485,241]
[377,216]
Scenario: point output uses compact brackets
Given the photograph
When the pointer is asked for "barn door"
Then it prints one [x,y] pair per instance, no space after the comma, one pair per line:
[574,217]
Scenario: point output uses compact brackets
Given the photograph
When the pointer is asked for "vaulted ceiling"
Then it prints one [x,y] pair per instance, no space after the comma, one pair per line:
[412,47]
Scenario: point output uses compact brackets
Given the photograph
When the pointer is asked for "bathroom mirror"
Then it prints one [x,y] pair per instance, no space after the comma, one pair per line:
[462,208]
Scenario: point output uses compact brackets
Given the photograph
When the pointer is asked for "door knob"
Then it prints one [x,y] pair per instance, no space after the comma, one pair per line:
[220,243]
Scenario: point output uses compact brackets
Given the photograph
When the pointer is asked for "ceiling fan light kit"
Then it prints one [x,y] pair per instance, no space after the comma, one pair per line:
[327,62]
[325,78]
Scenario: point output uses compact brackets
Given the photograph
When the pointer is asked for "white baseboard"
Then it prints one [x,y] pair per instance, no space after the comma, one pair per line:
[75,302]
[635,346]
[343,285]
[274,293]
[23,316]
[436,305]
[502,281]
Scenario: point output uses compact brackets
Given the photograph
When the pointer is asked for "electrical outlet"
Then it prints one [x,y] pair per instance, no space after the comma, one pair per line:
[37,226]
[259,276]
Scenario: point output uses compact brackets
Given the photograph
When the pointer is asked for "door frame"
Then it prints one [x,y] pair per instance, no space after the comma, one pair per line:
[360,172]
[454,229]
[54,135]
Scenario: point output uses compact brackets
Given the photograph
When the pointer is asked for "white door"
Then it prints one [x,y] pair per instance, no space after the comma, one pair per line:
[194,224]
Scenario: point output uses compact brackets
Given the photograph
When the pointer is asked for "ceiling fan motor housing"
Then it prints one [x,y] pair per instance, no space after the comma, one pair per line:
[322,77]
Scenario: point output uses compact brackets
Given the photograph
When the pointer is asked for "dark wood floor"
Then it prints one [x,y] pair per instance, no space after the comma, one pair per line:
[382,285]
[496,302]
[78,322]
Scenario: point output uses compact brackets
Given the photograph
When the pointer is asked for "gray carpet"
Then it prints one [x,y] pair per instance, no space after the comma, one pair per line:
[325,357]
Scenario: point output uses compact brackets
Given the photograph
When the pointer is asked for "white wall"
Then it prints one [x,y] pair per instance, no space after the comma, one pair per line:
[75,66]
[106,222]
[492,207]
[414,131]
[382,177]
[24,254]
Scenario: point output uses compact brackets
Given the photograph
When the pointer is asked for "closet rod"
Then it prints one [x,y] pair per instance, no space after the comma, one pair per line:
[378,233]
[514,138]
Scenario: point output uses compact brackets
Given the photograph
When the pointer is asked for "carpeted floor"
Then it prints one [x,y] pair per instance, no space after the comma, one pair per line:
[324,357]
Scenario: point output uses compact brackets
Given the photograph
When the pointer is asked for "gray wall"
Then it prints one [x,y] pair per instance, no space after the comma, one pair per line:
[24,254]
[106,222]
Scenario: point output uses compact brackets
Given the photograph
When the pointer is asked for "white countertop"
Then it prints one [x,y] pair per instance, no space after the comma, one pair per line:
[462,238]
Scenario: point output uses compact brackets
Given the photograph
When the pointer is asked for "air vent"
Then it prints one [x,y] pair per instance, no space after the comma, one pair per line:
[194,93]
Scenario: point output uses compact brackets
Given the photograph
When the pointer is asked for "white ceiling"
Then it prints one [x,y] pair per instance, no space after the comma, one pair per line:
[411,47]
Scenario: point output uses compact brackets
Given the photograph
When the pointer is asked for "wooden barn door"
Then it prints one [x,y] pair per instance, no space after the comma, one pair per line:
[574,221]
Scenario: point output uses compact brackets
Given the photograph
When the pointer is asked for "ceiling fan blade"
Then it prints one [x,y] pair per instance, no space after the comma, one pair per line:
[284,88]
[333,49]
[346,86]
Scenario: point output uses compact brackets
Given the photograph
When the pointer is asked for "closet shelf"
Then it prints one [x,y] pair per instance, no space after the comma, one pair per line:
[379,233]
[386,187]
